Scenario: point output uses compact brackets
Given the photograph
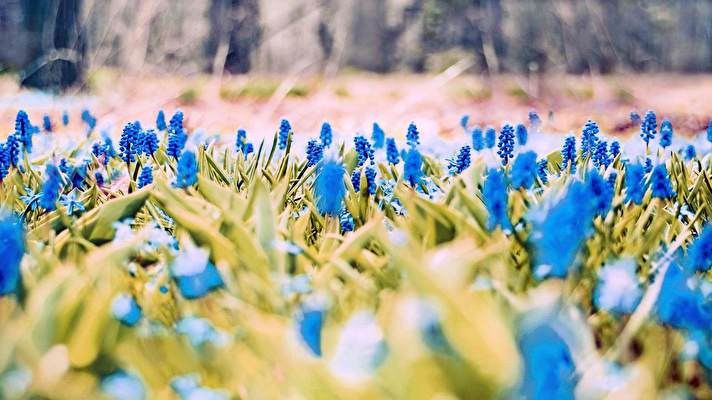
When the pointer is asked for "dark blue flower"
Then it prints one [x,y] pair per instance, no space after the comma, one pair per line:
[648,165]
[413,167]
[146,177]
[249,148]
[356,179]
[615,149]
[370,173]
[558,235]
[12,248]
[464,120]
[4,162]
[392,151]
[660,183]
[506,143]
[635,117]
[12,146]
[283,135]
[241,140]
[89,119]
[326,134]
[495,197]
[522,134]
[310,323]
[329,188]
[689,152]
[23,131]
[649,126]
[599,193]
[534,119]
[125,309]
[47,123]
[187,174]
[99,178]
[699,254]
[194,274]
[612,181]
[568,154]
[150,142]
[490,137]
[65,118]
[315,152]
[600,156]
[542,171]
[478,141]
[346,220]
[461,162]
[128,144]
[665,133]
[413,136]
[549,369]
[50,188]
[709,132]
[524,170]
[634,183]
[363,150]
[378,136]
[176,136]
[589,139]
[681,303]
[161,121]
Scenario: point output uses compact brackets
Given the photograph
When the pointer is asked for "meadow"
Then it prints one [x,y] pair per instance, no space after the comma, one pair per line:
[156,261]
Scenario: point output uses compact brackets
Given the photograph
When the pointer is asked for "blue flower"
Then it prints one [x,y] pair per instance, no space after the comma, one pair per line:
[649,126]
[99,178]
[524,170]
[612,181]
[522,134]
[46,123]
[464,120]
[558,234]
[534,119]
[490,137]
[4,162]
[89,119]
[413,167]
[599,193]
[146,177]
[506,143]
[241,140]
[363,150]
[128,144]
[542,170]
[568,154]
[249,148]
[23,131]
[660,183]
[709,132]
[310,323]
[600,156]
[121,386]
[699,254]
[665,133]
[413,136]
[194,274]
[589,139]
[12,248]
[648,165]
[478,141]
[283,135]
[326,135]
[635,117]
[161,121]
[72,204]
[346,221]
[125,309]
[549,369]
[689,152]
[378,136]
[370,173]
[615,149]
[187,174]
[681,303]
[618,289]
[635,183]
[150,142]
[50,188]
[462,162]
[12,146]
[356,179]
[495,197]
[176,136]
[392,151]
[329,188]
[315,152]
[65,118]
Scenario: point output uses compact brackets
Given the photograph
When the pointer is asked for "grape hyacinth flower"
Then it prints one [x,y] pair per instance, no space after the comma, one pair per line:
[346,221]
[635,117]
[99,178]
[490,137]
[464,121]
[413,136]
[4,162]
[315,152]
[23,131]
[72,204]
[681,303]
[89,120]
[378,136]
[146,177]
[65,118]
[660,183]
[125,309]
[12,248]
[326,135]
[615,149]
[689,152]
[392,151]
[120,385]
[648,128]
[50,188]
[193,272]
[128,144]
[461,162]
[599,193]
[363,150]
[589,139]
[12,147]
[534,120]
[412,168]
[568,154]
[187,174]
[699,254]
[161,121]
[665,133]
[600,156]
[478,141]
[370,173]
[495,197]
[522,134]
[542,170]
[176,136]
[356,179]
[329,188]
[249,148]
[283,136]
[149,144]
[524,170]
[648,165]
[310,321]
[612,181]
[47,123]
[635,183]
[241,140]
[709,132]
[506,143]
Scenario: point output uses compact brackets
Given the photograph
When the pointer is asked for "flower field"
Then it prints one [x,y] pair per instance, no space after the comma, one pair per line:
[161,262]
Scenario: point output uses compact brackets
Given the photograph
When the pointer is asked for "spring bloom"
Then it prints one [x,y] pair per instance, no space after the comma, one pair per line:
[618,290]
[12,248]
[329,188]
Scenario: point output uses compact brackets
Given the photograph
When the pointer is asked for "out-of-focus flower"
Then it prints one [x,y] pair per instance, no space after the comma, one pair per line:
[478,140]
[524,170]
[360,350]
[392,151]
[329,188]
[378,136]
[122,386]
[413,167]
[618,290]
[187,174]
[194,274]
[660,183]
[12,248]
[495,198]
[125,309]
[326,135]
[522,134]
[635,183]
[413,136]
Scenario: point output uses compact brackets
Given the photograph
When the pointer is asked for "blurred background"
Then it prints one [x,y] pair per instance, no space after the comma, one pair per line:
[355,61]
